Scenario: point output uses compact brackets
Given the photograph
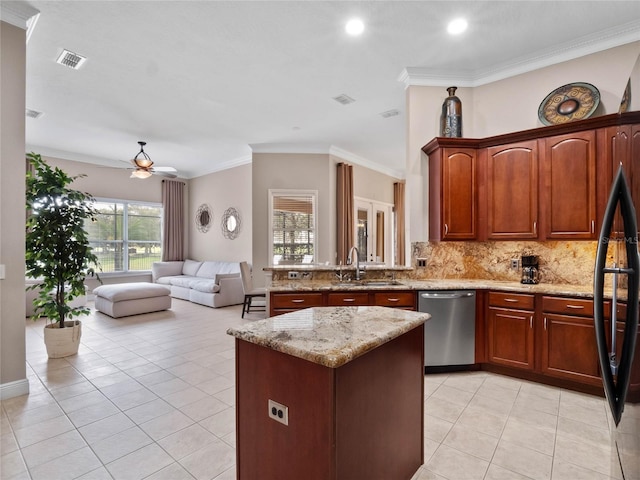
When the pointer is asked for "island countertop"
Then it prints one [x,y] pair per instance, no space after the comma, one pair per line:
[330,336]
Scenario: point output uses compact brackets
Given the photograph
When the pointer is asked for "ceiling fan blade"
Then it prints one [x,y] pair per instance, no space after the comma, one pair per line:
[165,169]
[165,174]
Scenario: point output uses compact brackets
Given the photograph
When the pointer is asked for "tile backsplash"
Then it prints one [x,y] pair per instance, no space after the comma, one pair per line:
[560,262]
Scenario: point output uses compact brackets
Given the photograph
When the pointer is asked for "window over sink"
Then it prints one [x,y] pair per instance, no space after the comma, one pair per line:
[292,215]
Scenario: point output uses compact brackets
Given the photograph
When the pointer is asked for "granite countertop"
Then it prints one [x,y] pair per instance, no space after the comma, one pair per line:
[434,284]
[330,336]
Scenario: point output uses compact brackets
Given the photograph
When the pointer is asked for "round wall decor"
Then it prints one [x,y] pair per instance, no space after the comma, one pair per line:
[204,218]
[231,223]
[574,101]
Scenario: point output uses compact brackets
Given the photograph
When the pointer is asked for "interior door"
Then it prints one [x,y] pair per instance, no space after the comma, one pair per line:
[374,231]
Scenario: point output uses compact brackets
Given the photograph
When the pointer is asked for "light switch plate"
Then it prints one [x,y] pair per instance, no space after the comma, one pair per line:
[2,272]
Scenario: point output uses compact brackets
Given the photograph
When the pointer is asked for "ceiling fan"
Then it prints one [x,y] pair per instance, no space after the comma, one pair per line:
[143,166]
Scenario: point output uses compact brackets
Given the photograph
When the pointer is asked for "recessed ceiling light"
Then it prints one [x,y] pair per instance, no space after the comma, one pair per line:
[354,27]
[457,26]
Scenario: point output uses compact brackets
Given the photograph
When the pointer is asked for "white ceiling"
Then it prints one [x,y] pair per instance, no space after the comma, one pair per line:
[202,81]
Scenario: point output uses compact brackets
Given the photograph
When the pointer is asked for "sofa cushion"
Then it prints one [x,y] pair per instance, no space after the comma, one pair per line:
[190,267]
[207,286]
[131,291]
[210,269]
[183,281]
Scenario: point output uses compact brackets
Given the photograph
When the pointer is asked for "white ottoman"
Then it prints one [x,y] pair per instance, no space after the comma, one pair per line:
[124,299]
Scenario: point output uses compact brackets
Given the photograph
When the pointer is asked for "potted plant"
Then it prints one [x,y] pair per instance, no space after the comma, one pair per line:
[58,253]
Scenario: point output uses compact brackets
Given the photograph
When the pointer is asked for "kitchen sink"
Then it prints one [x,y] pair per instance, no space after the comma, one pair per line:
[365,283]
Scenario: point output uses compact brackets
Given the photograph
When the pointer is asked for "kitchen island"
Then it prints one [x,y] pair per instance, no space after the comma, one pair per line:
[332,393]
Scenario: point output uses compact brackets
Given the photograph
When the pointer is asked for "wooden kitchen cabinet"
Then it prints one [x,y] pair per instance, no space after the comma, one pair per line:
[512,191]
[511,330]
[569,191]
[621,145]
[289,302]
[569,347]
[284,302]
[395,299]
[453,194]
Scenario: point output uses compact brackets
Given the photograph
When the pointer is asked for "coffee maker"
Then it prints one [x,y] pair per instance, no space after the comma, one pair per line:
[530,273]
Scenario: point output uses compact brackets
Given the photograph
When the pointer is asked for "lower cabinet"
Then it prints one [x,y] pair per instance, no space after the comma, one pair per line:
[284,302]
[544,335]
[510,330]
[569,347]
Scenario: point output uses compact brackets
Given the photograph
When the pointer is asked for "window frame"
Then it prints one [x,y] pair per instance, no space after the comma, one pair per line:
[125,227]
[286,192]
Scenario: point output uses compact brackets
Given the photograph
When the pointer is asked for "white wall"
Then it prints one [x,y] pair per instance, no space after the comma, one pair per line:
[221,190]
[13,379]
[291,171]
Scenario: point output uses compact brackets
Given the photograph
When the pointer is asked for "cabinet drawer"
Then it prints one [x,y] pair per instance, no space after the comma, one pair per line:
[395,299]
[568,306]
[521,301]
[347,298]
[296,300]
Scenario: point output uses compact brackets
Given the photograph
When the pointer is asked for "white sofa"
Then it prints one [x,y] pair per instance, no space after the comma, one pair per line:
[214,284]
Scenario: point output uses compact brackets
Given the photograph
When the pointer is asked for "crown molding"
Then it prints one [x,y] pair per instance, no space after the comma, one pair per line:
[19,14]
[325,149]
[363,162]
[236,162]
[576,48]
[307,148]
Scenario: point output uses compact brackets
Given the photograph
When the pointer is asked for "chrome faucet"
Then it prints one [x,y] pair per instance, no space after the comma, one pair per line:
[350,260]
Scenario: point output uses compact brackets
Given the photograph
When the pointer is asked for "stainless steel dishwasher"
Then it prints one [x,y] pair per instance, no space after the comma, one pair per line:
[450,334]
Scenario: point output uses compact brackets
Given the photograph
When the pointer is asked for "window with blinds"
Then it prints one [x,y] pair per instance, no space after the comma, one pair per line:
[293,226]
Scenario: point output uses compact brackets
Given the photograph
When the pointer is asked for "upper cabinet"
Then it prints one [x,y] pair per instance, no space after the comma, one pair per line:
[453,206]
[569,192]
[545,183]
[512,191]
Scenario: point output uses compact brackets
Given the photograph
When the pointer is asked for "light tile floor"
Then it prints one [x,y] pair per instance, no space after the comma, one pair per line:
[152,396]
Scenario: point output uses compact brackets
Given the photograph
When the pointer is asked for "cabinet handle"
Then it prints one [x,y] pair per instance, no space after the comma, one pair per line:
[511,300]
[531,321]
[446,229]
[576,307]
[535,228]
[348,299]
[393,299]
[297,300]
[545,323]
[593,226]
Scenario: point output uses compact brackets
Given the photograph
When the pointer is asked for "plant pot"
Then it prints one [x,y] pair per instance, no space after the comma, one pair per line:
[62,342]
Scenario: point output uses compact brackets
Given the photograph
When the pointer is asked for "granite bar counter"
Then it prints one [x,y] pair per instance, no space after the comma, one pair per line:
[348,383]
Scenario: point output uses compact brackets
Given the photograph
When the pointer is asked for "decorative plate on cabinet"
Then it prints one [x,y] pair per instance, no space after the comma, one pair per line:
[626,98]
[574,101]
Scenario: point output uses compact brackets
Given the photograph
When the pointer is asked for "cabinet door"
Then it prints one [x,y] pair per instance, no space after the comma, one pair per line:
[289,302]
[512,191]
[453,194]
[511,338]
[347,299]
[405,300]
[569,348]
[569,178]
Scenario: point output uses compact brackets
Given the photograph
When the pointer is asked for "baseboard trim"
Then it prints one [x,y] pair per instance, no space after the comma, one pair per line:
[14,389]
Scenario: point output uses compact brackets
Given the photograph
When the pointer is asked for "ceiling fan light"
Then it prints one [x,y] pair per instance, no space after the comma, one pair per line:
[140,174]
[143,162]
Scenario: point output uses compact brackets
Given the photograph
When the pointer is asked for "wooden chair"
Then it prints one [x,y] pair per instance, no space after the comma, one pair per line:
[249,292]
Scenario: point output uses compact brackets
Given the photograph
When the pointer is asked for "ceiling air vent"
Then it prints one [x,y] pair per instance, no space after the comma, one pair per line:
[70,59]
[390,113]
[344,99]
[33,113]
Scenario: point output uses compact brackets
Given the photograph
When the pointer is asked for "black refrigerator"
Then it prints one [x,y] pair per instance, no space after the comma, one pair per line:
[616,283]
